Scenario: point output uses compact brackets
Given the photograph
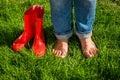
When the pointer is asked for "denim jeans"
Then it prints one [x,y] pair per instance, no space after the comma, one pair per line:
[61,14]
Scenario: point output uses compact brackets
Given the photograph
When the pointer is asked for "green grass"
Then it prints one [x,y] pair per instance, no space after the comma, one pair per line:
[24,65]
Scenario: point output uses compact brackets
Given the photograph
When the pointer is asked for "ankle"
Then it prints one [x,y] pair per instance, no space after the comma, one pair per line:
[85,39]
[62,41]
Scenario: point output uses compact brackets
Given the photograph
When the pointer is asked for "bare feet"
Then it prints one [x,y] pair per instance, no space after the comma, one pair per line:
[88,47]
[61,48]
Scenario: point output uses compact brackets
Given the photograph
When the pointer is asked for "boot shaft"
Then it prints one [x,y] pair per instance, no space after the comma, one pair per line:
[30,18]
[39,27]
[33,20]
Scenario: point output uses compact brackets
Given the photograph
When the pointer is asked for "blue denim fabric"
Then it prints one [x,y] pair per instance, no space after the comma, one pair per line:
[61,14]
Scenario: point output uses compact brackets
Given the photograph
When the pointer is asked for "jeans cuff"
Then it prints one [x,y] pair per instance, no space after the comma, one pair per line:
[84,35]
[64,37]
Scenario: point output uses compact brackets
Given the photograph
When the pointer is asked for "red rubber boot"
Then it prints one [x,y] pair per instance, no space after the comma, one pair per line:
[29,29]
[39,43]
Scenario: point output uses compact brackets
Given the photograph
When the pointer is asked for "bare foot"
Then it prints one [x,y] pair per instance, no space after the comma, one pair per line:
[61,48]
[88,47]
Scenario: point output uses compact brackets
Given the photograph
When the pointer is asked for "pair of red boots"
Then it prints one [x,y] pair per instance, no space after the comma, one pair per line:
[32,28]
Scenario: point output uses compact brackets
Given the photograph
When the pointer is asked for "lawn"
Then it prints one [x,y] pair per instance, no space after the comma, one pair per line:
[24,65]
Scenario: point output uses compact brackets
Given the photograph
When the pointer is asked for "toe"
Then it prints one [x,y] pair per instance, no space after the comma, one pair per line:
[64,54]
[87,53]
[59,53]
[54,51]
[94,50]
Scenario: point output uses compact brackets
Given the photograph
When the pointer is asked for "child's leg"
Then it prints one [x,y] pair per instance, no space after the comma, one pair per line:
[85,15]
[61,18]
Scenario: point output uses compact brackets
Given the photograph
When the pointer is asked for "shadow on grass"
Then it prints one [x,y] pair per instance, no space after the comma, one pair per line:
[8,35]
[49,35]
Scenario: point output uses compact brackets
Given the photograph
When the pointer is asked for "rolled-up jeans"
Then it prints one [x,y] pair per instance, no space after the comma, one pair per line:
[61,15]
